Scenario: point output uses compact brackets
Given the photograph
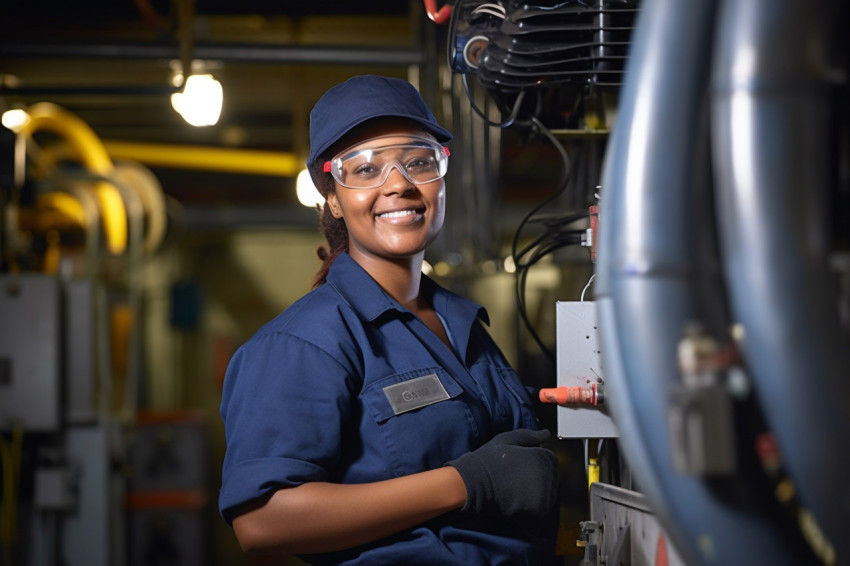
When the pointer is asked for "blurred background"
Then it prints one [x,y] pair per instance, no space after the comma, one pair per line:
[151,248]
[651,199]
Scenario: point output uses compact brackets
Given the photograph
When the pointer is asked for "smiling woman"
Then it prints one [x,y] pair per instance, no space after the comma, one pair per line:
[375,421]
[389,214]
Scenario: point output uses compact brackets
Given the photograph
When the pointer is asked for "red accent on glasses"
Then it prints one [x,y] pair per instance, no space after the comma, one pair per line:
[327,167]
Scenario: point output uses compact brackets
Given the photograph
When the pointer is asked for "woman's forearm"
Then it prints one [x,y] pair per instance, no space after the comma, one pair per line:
[324,517]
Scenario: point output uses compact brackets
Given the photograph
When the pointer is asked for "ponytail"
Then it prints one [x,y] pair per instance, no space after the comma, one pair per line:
[333,229]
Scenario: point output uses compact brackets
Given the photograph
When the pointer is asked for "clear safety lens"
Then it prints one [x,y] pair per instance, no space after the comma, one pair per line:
[420,160]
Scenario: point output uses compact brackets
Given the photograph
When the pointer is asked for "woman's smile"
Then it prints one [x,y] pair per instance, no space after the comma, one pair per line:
[402,216]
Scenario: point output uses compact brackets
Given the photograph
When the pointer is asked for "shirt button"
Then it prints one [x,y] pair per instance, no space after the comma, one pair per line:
[502,411]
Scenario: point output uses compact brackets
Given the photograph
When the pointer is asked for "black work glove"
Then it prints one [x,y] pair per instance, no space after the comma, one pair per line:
[510,475]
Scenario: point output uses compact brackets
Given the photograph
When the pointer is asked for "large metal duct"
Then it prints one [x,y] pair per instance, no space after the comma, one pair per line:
[657,270]
[774,115]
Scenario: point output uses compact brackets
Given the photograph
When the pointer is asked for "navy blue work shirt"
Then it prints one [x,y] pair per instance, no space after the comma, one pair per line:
[308,398]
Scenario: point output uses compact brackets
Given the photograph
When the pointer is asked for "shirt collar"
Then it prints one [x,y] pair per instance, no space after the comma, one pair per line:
[358,288]
[367,298]
[447,303]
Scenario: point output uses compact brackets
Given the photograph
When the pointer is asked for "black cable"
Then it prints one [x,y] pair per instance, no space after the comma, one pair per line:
[570,237]
[511,118]
[552,226]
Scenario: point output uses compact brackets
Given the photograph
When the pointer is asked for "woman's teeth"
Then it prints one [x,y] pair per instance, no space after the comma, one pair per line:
[397,214]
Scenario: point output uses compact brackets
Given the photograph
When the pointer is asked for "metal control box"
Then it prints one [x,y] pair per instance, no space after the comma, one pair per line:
[579,362]
[30,352]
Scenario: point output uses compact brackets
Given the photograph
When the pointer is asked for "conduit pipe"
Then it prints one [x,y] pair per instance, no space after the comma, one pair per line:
[93,156]
[207,158]
[651,270]
[352,55]
[774,153]
[154,217]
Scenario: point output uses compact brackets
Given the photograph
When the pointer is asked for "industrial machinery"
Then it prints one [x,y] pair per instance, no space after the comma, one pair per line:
[705,175]
[720,293]
[565,57]
[75,229]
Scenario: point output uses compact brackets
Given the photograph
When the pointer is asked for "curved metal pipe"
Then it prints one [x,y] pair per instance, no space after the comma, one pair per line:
[653,265]
[88,147]
[138,178]
[772,118]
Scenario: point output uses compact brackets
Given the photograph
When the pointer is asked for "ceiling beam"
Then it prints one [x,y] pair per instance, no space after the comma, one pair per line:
[272,54]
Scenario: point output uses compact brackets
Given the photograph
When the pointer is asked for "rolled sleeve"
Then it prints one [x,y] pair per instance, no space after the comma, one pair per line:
[284,405]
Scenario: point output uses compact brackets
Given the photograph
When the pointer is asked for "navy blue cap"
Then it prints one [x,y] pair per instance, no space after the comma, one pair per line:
[362,98]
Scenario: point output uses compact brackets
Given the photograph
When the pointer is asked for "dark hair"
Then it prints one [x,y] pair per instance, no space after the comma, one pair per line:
[333,229]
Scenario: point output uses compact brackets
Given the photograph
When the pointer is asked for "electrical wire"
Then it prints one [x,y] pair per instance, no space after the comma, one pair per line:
[555,237]
[589,281]
[557,233]
[491,9]
[511,118]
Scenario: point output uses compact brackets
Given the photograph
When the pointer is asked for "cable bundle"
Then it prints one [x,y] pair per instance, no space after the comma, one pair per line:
[559,232]
[514,45]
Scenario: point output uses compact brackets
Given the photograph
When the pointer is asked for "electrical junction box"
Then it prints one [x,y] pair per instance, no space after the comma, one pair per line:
[54,489]
[579,364]
[30,352]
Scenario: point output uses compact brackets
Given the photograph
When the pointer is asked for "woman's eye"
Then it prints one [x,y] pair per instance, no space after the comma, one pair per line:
[418,163]
[367,169]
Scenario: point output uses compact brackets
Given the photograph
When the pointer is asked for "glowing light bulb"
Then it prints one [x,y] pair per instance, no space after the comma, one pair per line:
[306,191]
[15,119]
[201,100]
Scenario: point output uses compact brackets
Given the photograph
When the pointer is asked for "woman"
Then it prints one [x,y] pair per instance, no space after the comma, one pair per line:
[375,421]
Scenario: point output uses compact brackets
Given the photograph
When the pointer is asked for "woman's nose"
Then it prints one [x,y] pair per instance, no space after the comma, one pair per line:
[397,181]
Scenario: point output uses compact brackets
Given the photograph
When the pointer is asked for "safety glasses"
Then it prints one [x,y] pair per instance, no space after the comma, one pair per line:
[420,160]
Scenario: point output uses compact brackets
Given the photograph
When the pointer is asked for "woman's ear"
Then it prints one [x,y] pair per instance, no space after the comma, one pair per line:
[333,205]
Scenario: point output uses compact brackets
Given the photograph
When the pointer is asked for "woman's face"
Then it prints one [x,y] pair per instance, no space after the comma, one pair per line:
[397,219]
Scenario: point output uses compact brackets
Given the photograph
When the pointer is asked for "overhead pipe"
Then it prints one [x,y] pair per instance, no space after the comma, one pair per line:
[207,158]
[92,89]
[248,53]
[774,116]
[656,268]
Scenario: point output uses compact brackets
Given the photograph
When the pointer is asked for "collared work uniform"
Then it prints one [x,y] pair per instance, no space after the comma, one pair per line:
[347,386]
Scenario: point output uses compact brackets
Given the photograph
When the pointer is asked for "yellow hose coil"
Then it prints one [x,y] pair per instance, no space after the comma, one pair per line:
[93,156]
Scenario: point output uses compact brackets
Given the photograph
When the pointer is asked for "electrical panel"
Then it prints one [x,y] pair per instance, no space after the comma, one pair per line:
[579,363]
[30,352]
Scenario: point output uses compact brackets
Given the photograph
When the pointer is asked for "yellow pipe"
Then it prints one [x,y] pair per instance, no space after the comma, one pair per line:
[256,162]
[94,157]
[65,205]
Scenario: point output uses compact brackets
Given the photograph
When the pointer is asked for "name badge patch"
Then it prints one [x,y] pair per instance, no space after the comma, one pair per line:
[415,393]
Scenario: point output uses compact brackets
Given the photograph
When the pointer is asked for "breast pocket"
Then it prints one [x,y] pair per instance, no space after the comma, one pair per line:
[515,408]
[419,419]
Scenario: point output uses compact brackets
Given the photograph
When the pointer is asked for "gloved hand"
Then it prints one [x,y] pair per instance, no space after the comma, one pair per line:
[510,475]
